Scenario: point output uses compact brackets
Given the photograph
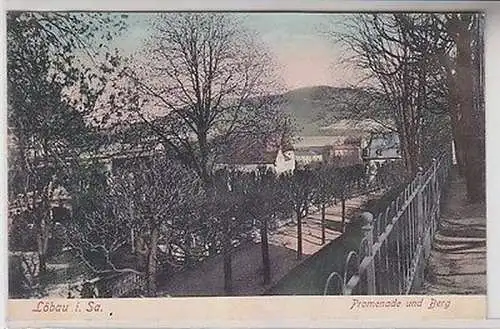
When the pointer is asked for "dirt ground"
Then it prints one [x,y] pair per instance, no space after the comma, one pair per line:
[457,264]
[207,279]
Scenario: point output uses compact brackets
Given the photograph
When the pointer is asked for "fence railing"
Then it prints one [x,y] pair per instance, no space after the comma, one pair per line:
[396,243]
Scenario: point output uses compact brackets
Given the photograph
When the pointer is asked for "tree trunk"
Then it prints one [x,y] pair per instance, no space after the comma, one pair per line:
[343,216]
[228,273]
[152,261]
[42,263]
[471,127]
[43,246]
[299,234]
[227,248]
[323,224]
[459,147]
[453,103]
[266,264]
[132,241]
[205,173]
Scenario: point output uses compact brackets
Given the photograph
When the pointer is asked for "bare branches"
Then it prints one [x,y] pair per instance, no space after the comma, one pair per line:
[402,51]
[118,227]
[207,77]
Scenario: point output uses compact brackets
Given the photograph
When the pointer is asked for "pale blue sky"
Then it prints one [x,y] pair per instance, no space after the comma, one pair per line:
[297,41]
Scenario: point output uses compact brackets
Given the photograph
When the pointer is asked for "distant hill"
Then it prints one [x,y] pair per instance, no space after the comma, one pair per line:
[316,111]
[326,110]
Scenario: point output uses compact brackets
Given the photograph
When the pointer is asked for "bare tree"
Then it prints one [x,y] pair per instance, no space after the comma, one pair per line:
[324,192]
[96,234]
[143,203]
[154,199]
[201,81]
[209,79]
[429,68]
[299,188]
[265,201]
[227,202]
[396,52]
[343,186]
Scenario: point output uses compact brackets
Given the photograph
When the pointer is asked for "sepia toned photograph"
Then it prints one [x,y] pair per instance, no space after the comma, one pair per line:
[190,154]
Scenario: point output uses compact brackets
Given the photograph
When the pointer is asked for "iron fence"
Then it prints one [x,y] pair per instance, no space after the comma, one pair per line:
[396,243]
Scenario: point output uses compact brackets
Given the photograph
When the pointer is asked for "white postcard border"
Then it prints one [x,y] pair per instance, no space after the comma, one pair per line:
[492,120]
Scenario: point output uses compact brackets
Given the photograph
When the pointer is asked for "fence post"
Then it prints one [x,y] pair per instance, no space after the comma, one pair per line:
[420,206]
[367,219]
[419,274]
[435,196]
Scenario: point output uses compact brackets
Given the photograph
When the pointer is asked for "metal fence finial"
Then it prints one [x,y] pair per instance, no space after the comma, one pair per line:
[367,219]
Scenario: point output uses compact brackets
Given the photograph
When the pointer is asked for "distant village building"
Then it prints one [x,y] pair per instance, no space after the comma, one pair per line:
[339,151]
[307,155]
[345,155]
[382,147]
[126,157]
[251,155]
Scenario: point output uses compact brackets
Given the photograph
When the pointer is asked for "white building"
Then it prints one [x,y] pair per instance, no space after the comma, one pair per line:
[308,155]
[247,154]
[382,147]
[279,161]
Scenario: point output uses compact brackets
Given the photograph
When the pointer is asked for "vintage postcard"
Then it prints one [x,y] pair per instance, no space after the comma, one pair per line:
[245,168]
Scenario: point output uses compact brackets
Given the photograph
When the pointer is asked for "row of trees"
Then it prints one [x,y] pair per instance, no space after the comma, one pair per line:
[425,73]
[154,215]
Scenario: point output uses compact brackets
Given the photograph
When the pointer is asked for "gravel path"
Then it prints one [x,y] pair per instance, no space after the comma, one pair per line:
[457,264]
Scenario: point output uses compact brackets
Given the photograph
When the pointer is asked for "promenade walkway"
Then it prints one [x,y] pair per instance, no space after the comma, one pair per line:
[207,278]
[457,264]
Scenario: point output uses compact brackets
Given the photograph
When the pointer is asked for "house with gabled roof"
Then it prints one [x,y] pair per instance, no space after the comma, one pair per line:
[246,153]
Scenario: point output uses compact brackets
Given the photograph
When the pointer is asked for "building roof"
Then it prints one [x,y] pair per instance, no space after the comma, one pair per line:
[309,151]
[345,147]
[243,150]
[318,141]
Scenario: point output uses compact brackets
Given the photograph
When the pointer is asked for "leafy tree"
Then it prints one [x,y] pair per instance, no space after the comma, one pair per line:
[49,93]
